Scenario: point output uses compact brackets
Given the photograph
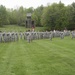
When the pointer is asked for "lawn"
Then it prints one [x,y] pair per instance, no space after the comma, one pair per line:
[40,57]
[16,28]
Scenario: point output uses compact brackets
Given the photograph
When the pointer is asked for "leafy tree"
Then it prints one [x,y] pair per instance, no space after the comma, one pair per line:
[12,14]
[36,16]
[71,16]
[54,16]
[3,15]
[49,16]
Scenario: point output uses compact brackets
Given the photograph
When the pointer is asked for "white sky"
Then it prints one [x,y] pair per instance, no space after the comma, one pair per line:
[31,3]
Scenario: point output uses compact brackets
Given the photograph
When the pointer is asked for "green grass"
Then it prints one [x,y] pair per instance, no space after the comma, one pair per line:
[40,57]
[16,28]
[7,28]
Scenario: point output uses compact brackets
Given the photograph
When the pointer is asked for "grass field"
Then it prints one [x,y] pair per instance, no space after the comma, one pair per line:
[40,57]
[16,28]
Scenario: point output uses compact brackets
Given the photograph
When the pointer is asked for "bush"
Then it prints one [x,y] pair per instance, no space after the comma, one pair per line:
[22,24]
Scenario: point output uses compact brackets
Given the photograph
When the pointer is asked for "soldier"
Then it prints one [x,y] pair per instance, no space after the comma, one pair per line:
[62,35]
[8,37]
[51,36]
[73,34]
[12,36]
[29,37]
[16,36]
[0,37]
[21,35]
[4,37]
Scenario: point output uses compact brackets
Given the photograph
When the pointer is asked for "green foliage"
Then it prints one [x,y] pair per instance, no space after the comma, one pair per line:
[55,16]
[71,17]
[36,16]
[3,15]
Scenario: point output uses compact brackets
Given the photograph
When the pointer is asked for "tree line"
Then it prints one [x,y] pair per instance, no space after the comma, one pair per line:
[53,16]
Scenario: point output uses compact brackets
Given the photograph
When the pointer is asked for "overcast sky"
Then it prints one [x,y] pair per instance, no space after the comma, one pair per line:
[31,3]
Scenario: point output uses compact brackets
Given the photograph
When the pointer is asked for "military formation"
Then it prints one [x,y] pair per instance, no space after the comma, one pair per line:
[30,36]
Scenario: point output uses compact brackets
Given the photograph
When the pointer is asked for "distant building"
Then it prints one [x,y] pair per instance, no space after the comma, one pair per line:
[29,21]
